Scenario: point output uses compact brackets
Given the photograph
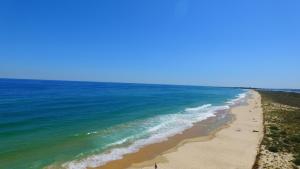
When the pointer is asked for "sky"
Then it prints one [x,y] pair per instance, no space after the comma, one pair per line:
[251,43]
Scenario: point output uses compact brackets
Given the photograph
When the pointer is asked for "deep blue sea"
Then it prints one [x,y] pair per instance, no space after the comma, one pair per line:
[86,124]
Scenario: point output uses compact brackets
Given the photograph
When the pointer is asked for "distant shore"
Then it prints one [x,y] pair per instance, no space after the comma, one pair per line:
[217,142]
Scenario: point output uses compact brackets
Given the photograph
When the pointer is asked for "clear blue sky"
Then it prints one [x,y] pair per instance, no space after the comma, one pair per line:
[203,42]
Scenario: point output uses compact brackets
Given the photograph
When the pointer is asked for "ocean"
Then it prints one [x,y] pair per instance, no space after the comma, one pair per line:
[66,124]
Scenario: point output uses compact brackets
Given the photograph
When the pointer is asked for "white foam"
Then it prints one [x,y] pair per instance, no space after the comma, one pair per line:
[198,108]
[93,132]
[159,129]
[240,98]
[122,141]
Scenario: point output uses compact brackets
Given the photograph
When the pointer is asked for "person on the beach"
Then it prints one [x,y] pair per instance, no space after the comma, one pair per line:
[155,166]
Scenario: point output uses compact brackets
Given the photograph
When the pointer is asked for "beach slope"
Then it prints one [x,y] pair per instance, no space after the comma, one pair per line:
[234,146]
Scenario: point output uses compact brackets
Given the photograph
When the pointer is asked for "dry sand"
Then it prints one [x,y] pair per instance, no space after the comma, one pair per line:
[233,147]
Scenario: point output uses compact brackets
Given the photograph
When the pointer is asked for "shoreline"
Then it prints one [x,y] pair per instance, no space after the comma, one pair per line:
[201,132]
[233,146]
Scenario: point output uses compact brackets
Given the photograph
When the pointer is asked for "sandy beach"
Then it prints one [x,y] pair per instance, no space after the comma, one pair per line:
[233,145]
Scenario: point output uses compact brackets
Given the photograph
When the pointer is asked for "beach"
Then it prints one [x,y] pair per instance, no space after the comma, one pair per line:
[232,145]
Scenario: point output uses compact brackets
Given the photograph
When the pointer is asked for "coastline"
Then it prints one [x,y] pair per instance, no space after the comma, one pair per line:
[213,141]
[202,130]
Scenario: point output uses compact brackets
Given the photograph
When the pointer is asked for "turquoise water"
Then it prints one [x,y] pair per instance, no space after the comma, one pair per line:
[81,124]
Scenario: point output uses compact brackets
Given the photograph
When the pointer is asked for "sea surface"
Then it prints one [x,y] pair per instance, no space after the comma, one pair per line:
[64,124]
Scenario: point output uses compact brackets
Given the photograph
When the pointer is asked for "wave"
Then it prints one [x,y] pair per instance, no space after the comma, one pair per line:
[240,98]
[157,129]
[92,132]
[198,108]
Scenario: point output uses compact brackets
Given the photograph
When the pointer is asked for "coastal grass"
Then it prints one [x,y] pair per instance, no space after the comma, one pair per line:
[282,123]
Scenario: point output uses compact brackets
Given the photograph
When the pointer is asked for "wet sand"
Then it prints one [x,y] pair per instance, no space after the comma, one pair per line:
[224,141]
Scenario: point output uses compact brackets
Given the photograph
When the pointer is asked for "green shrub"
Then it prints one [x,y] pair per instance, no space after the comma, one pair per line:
[295,138]
[273,149]
[297,160]
[283,133]
[273,127]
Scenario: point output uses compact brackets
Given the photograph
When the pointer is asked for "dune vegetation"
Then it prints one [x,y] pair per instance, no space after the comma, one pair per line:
[280,146]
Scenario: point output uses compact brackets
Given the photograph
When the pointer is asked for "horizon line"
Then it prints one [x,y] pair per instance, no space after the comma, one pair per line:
[170,84]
